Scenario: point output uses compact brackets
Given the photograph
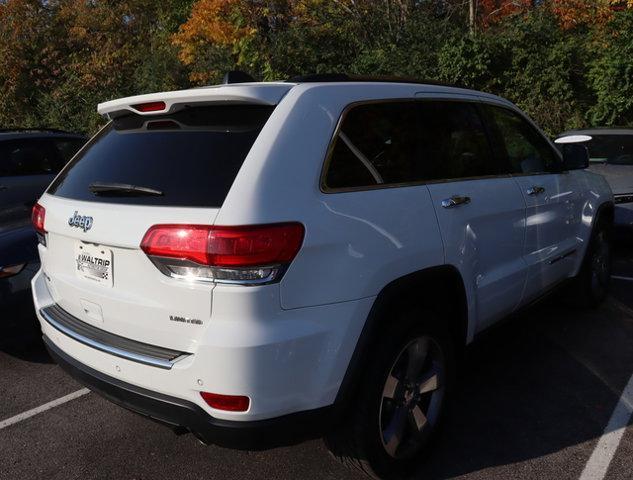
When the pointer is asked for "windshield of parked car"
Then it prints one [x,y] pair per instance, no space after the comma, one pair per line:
[611,149]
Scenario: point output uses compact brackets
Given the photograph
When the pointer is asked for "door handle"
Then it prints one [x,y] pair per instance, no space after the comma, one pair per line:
[535,190]
[455,201]
[3,187]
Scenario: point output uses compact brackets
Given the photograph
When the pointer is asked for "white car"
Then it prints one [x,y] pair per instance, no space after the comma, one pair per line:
[259,263]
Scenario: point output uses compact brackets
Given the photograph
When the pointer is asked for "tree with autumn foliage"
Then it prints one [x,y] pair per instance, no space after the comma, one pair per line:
[62,57]
[566,62]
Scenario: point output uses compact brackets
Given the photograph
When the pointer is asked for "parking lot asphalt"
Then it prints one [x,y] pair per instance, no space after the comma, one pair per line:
[534,398]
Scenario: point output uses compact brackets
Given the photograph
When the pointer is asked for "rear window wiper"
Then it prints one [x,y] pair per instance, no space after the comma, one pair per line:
[104,188]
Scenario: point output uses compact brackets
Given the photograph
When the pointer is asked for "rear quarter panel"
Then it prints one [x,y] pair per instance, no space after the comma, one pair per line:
[355,242]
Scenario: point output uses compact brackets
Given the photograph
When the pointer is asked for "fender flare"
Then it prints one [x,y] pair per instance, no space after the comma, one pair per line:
[398,290]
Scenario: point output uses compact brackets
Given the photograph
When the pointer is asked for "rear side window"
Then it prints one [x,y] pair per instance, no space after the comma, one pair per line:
[524,147]
[409,142]
[33,156]
[191,157]
[376,144]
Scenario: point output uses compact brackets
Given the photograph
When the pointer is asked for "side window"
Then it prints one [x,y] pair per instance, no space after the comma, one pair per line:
[454,142]
[407,142]
[524,147]
[67,147]
[27,157]
[375,145]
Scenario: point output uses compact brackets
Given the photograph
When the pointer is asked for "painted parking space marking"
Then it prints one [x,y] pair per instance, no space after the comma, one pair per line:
[42,408]
[598,464]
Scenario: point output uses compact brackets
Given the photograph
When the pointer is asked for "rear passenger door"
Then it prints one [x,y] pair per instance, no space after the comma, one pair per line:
[479,207]
[551,196]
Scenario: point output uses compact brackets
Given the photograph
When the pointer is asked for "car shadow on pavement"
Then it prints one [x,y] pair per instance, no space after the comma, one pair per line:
[21,334]
[534,387]
[533,397]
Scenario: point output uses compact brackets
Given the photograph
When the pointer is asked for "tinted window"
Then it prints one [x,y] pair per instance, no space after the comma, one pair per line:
[191,156]
[524,147]
[67,147]
[408,142]
[376,144]
[454,142]
[613,149]
[28,157]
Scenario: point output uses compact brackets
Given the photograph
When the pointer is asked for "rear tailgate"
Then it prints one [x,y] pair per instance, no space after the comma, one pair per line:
[139,171]
[140,303]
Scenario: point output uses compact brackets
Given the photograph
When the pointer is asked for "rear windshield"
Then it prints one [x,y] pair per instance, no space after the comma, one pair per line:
[188,158]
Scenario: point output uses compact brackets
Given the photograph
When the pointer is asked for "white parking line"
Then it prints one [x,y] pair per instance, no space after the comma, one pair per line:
[42,408]
[598,463]
[618,277]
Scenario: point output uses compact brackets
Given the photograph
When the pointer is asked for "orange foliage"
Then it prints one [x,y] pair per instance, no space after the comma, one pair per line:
[213,22]
[573,13]
[492,11]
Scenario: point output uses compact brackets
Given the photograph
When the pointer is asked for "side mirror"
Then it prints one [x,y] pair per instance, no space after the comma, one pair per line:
[575,156]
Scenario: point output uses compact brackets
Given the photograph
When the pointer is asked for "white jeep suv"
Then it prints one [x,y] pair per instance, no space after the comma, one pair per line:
[258,263]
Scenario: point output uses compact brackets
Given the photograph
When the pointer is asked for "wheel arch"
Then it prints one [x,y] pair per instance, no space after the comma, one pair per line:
[439,284]
[606,212]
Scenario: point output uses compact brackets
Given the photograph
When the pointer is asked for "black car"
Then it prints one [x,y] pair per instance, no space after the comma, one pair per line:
[29,160]
[19,261]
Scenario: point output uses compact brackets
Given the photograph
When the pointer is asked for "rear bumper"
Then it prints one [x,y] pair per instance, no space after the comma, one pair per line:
[286,362]
[176,412]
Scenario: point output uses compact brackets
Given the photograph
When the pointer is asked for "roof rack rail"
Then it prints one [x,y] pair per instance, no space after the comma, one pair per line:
[343,77]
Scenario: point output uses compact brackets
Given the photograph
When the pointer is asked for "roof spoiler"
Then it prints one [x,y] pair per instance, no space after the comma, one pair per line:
[167,102]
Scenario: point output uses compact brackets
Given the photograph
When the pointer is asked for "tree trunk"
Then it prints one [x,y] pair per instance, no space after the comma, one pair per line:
[472,12]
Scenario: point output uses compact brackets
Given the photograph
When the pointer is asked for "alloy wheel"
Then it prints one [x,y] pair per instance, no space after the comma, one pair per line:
[412,397]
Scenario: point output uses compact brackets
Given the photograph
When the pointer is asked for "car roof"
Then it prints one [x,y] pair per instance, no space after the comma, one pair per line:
[18,134]
[598,131]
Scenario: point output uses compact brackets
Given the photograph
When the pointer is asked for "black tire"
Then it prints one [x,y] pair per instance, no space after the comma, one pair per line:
[591,285]
[381,435]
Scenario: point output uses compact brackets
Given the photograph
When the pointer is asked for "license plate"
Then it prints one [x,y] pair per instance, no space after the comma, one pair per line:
[94,263]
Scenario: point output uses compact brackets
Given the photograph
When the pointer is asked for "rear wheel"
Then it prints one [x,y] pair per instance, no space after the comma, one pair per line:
[400,404]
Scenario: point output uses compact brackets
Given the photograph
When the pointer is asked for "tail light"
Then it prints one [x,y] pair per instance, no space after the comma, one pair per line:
[245,254]
[38,216]
[229,403]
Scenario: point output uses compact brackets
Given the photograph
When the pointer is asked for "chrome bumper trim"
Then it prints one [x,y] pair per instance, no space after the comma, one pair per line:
[64,322]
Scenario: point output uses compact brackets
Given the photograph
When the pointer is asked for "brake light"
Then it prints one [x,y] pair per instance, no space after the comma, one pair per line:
[250,254]
[149,107]
[229,403]
[38,215]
